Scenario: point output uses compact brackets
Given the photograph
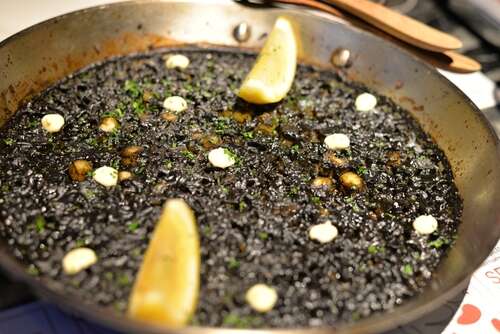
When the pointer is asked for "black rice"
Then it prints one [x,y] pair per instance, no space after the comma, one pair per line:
[253,217]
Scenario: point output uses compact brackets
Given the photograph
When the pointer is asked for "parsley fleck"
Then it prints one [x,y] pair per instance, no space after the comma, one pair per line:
[138,107]
[132,88]
[316,200]
[362,170]
[40,223]
[242,206]
[232,263]
[407,270]
[234,320]
[248,135]
[207,230]
[123,280]
[231,155]
[221,124]
[262,235]
[80,243]
[115,163]
[295,149]
[293,191]
[117,113]
[33,271]
[188,154]
[133,226]
[8,141]
[374,249]
[168,164]
[438,243]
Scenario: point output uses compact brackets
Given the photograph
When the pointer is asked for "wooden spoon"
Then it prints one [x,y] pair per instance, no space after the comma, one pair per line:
[400,26]
[447,60]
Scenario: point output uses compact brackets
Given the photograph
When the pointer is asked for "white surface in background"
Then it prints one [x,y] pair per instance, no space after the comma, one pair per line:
[476,86]
[16,15]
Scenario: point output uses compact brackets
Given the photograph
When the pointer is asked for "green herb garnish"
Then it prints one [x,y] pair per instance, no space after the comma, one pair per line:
[315,200]
[293,191]
[362,170]
[248,135]
[374,249]
[438,243]
[133,226]
[262,235]
[168,164]
[117,113]
[139,108]
[188,154]
[32,270]
[123,280]
[234,320]
[231,155]
[132,88]
[221,125]
[40,223]
[407,270]
[295,148]
[232,263]
[9,141]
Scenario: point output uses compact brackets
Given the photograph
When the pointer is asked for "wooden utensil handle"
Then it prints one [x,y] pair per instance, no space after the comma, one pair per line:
[398,25]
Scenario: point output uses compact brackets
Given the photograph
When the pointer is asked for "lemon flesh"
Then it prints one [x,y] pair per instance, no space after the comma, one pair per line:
[165,292]
[271,76]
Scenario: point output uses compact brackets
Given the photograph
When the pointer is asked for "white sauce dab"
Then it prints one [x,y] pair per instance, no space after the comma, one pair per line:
[107,176]
[337,141]
[78,259]
[177,61]
[323,233]
[261,297]
[175,104]
[365,102]
[52,122]
[221,158]
[425,224]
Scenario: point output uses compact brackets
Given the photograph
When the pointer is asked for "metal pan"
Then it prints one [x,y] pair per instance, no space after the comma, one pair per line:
[42,54]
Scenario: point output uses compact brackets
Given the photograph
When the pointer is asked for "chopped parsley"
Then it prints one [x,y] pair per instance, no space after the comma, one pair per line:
[232,263]
[295,149]
[123,280]
[315,200]
[221,125]
[40,223]
[133,226]
[188,154]
[132,89]
[438,243]
[248,135]
[234,320]
[374,249]
[117,113]
[262,235]
[362,170]
[407,270]
[9,141]
[232,155]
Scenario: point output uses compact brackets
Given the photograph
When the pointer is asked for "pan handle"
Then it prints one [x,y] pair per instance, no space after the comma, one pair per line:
[13,293]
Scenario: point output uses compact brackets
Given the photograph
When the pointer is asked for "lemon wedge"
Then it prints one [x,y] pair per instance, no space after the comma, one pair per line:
[165,292]
[272,74]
